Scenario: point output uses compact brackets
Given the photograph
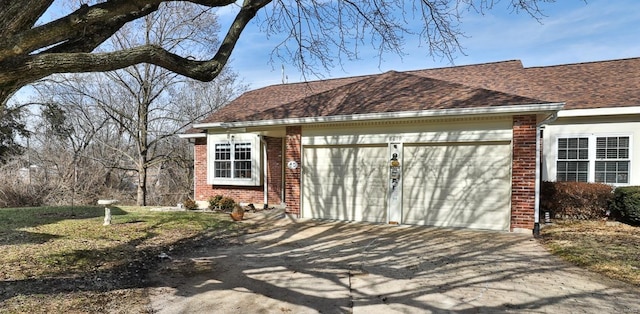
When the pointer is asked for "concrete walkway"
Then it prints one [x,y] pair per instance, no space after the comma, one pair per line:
[332,267]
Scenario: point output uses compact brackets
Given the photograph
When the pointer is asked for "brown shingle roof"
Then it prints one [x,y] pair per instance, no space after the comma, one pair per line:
[583,85]
[388,92]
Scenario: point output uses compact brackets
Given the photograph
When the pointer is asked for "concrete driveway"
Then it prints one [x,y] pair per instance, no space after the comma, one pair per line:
[334,267]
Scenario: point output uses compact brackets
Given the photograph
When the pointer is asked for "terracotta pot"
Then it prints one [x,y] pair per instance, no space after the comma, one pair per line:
[236,216]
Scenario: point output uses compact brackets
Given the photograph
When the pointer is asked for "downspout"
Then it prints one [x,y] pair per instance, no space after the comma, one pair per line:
[265,200]
[539,126]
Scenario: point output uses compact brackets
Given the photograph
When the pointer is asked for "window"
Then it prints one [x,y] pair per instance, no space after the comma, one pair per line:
[573,159]
[612,160]
[222,164]
[236,159]
[593,158]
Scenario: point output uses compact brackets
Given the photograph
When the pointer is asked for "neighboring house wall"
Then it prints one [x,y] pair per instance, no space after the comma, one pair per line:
[591,129]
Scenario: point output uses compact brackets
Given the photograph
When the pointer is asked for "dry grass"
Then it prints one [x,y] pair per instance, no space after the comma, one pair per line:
[609,248]
[62,260]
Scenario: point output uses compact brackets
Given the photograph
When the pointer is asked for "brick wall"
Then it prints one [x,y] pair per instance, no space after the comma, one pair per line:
[523,177]
[292,176]
[274,170]
[244,194]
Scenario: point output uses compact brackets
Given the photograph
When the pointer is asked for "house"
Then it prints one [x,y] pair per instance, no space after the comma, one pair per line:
[463,146]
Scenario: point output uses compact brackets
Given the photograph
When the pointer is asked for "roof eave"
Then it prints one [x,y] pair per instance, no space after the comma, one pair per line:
[192,135]
[502,110]
[608,111]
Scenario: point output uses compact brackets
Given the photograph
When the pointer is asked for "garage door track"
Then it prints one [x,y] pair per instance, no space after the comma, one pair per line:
[337,267]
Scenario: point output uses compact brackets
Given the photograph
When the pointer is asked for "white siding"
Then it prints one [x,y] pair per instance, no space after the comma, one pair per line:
[590,127]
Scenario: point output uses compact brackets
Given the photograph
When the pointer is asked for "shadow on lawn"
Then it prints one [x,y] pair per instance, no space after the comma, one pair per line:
[123,266]
[12,220]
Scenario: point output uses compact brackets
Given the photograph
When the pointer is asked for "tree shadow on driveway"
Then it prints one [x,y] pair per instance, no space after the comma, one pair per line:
[337,267]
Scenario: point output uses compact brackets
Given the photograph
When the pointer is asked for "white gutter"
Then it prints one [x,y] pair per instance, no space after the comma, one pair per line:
[599,112]
[536,214]
[516,109]
[264,172]
[192,135]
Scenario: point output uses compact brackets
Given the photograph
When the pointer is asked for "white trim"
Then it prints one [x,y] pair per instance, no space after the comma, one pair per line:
[256,159]
[599,112]
[592,153]
[192,135]
[516,109]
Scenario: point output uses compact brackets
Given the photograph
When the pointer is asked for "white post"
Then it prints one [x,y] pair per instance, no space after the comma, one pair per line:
[107,216]
[107,210]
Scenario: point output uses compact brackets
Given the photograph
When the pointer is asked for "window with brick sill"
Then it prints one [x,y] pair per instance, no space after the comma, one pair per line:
[593,158]
[234,160]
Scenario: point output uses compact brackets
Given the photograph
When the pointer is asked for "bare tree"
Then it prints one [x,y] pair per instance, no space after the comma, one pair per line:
[146,104]
[30,51]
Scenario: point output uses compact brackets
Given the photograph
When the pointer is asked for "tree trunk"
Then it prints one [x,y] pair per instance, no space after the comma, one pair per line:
[142,184]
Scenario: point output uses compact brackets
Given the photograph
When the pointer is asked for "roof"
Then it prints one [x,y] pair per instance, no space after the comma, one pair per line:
[583,85]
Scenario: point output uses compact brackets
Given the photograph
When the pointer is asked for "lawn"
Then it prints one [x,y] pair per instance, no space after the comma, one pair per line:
[62,259]
[609,248]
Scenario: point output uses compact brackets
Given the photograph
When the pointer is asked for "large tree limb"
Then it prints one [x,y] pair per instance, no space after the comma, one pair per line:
[37,66]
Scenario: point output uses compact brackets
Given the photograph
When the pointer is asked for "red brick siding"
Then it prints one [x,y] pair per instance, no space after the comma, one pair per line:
[523,176]
[244,194]
[292,176]
[274,170]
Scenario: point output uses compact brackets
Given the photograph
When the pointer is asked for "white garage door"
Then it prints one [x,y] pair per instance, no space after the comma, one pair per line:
[345,183]
[465,185]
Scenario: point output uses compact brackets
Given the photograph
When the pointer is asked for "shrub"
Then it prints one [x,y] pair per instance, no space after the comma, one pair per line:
[625,204]
[190,204]
[214,201]
[227,203]
[575,200]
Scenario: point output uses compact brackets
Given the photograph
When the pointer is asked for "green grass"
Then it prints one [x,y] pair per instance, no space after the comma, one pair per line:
[62,259]
[612,249]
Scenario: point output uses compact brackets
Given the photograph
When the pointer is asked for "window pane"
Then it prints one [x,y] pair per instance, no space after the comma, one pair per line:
[222,152]
[623,142]
[562,143]
[242,169]
[623,153]
[623,178]
[222,169]
[583,142]
[612,171]
[612,147]
[572,171]
[562,154]
[582,177]
[573,148]
[242,151]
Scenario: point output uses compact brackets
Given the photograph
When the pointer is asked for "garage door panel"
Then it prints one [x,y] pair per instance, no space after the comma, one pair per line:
[346,183]
[458,185]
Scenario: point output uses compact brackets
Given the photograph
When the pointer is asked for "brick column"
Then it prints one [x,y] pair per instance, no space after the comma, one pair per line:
[292,176]
[523,173]
[200,169]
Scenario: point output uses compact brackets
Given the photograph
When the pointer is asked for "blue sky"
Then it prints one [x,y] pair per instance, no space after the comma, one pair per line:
[572,31]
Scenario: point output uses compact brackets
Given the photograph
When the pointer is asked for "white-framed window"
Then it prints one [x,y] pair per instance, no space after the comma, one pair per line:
[573,159]
[593,158]
[612,159]
[234,159]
